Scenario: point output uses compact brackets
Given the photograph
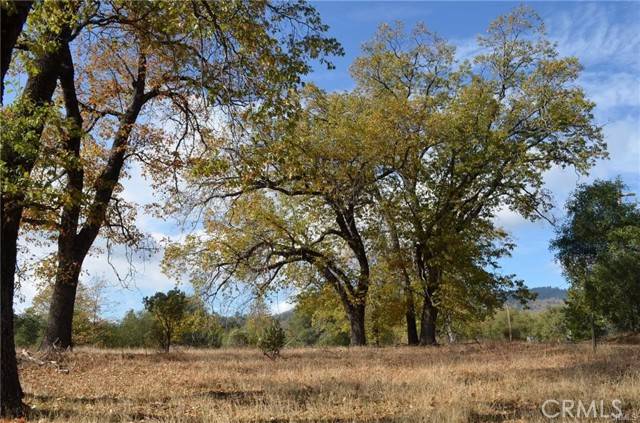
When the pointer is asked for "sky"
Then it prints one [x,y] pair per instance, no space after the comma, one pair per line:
[605,37]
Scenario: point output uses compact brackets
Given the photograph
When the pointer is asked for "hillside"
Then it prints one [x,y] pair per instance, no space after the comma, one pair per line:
[547,297]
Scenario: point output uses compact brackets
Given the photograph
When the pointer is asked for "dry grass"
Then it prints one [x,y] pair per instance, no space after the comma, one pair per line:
[498,382]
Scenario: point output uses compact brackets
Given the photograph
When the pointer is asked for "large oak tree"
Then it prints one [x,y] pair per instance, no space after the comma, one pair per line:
[117,62]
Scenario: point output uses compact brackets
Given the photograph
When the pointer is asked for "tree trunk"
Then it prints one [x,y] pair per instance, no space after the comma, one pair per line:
[410,315]
[74,245]
[38,91]
[451,335]
[10,390]
[353,307]
[356,321]
[60,321]
[428,322]
[11,27]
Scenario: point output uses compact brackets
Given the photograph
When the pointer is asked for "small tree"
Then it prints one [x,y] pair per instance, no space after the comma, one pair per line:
[168,310]
[272,340]
[597,249]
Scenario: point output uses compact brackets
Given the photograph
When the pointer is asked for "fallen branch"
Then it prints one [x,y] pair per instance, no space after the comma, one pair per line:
[25,356]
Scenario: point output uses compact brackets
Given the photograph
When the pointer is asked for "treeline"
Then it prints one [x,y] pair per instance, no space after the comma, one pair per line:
[200,328]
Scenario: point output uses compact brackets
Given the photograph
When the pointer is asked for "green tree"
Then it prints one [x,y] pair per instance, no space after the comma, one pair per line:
[431,147]
[272,339]
[29,328]
[469,143]
[599,235]
[617,275]
[136,330]
[168,310]
[200,328]
[301,205]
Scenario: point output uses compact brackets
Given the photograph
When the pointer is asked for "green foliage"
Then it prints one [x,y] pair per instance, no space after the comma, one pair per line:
[322,308]
[385,312]
[272,339]
[257,321]
[88,326]
[597,246]
[136,330]
[237,337]
[300,330]
[617,275]
[200,328]
[29,329]
[168,310]
[548,325]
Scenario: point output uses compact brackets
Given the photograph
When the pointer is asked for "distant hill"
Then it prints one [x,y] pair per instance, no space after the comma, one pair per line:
[549,292]
[547,297]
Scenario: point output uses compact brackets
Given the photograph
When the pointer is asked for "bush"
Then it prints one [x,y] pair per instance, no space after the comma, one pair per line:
[237,337]
[272,340]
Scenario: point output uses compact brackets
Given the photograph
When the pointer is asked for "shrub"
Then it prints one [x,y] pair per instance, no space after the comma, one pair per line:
[237,337]
[272,340]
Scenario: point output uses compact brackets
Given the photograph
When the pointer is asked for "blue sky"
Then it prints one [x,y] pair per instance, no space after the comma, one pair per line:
[604,36]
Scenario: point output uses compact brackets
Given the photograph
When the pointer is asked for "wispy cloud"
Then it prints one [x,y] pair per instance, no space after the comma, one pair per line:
[600,34]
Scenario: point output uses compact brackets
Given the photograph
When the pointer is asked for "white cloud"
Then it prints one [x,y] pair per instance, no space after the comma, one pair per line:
[466,48]
[508,219]
[282,306]
[623,139]
[146,278]
[610,90]
[595,34]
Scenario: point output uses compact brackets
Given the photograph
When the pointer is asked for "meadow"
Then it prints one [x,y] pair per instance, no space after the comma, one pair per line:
[457,383]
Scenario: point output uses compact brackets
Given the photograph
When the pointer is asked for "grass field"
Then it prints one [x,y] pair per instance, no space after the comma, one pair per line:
[492,382]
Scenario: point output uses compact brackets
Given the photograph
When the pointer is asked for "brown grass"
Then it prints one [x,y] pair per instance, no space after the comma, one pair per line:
[482,383]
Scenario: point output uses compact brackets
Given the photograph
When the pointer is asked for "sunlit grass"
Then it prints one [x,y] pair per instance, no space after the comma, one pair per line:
[492,382]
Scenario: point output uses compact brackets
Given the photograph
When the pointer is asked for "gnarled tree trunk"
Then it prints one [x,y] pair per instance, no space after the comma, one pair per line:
[74,245]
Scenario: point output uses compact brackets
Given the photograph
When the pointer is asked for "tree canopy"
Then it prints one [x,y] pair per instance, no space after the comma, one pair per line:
[597,248]
[410,167]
